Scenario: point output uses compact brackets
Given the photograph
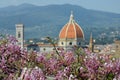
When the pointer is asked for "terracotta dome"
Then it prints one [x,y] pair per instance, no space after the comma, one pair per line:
[71,30]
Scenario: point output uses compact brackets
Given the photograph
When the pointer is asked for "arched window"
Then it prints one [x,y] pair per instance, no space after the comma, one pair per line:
[19,35]
[62,43]
[44,49]
[116,46]
[70,43]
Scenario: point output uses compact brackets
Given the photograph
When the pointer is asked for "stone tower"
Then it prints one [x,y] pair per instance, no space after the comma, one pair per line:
[20,34]
[91,45]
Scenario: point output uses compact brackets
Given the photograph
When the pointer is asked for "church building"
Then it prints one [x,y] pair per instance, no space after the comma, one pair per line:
[71,34]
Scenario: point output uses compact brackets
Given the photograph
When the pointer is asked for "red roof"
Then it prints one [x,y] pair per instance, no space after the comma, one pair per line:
[71,30]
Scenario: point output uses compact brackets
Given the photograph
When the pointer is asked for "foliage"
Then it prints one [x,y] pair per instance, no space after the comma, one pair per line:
[80,64]
[12,57]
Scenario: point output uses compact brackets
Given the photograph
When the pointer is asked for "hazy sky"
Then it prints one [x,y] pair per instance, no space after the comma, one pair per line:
[104,5]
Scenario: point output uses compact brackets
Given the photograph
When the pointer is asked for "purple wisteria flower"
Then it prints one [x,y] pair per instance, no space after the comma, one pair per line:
[32,74]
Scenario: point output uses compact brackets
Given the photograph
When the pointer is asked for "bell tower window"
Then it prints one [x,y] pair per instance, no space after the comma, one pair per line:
[19,35]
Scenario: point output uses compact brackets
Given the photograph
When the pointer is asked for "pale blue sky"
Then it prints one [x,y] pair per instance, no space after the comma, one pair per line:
[104,5]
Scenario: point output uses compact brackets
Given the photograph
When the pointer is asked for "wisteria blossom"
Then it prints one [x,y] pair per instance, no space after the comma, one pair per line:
[79,64]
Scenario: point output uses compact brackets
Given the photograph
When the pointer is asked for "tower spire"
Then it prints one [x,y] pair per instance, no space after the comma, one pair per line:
[91,43]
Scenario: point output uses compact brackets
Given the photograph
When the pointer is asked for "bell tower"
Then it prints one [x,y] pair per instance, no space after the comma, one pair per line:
[20,34]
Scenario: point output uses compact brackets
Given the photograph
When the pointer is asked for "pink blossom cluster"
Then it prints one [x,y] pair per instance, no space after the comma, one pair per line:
[32,74]
[12,58]
[79,64]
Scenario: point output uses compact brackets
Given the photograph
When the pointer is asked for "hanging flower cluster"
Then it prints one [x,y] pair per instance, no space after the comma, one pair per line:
[12,57]
[79,64]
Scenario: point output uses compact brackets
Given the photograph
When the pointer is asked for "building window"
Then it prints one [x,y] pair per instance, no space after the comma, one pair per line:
[116,46]
[79,43]
[62,43]
[70,43]
[44,49]
[19,35]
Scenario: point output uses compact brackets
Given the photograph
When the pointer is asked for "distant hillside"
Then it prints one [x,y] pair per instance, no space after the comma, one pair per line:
[48,20]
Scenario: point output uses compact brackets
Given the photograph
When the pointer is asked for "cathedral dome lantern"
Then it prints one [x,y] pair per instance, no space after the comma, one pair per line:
[71,34]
